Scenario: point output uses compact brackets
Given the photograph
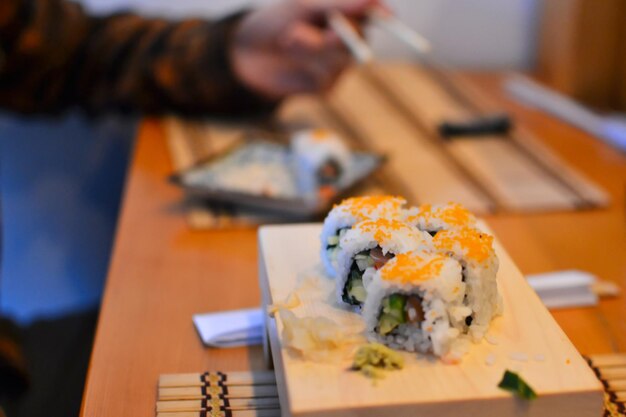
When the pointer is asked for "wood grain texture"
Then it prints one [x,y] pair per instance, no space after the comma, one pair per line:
[580,50]
[563,380]
[395,109]
[162,272]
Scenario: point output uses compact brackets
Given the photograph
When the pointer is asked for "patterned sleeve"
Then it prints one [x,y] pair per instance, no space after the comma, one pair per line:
[53,56]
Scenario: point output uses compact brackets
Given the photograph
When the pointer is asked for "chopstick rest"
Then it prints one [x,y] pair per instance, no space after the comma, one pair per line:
[494,124]
[564,289]
[231,328]
[570,288]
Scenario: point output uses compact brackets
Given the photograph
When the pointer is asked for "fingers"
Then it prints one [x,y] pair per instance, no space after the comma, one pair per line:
[302,36]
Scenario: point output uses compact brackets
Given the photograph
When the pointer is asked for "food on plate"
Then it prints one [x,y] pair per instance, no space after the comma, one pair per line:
[415,303]
[432,218]
[514,383]
[424,278]
[316,338]
[365,248]
[349,212]
[373,359]
[473,249]
[320,159]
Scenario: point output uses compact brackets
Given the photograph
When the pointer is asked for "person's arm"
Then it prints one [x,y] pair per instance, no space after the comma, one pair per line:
[55,56]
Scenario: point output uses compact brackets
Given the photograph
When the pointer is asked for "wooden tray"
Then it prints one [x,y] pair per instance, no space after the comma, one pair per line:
[564,382]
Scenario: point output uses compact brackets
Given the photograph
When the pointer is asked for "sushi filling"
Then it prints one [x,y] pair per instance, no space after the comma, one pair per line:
[354,292]
[398,309]
[332,243]
[329,172]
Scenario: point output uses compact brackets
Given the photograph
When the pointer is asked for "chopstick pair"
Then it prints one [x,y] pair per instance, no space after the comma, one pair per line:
[479,125]
[235,394]
[360,49]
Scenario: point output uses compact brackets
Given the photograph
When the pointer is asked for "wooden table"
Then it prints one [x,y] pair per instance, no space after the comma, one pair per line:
[162,272]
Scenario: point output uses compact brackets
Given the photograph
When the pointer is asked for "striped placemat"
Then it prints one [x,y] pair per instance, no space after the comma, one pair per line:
[611,370]
[254,394]
[218,394]
[394,109]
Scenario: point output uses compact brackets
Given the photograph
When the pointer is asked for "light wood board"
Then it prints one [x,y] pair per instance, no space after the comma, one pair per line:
[564,382]
[394,109]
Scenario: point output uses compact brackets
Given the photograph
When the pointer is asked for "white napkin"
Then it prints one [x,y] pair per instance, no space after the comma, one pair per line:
[231,328]
[565,289]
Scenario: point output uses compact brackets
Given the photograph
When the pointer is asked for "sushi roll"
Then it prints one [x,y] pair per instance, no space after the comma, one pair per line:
[412,304]
[433,218]
[473,249]
[367,247]
[320,159]
[349,212]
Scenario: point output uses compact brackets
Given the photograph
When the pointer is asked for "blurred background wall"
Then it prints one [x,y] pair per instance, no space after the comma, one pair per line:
[484,34]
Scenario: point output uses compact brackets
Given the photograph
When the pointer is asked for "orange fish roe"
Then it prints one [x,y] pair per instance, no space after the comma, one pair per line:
[453,214]
[320,134]
[412,268]
[383,229]
[477,245]
[363,207]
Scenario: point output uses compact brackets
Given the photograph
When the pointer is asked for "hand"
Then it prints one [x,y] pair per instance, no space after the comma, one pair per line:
[287,48]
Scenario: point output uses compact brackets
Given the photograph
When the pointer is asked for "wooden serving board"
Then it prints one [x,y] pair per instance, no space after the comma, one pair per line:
[425,387]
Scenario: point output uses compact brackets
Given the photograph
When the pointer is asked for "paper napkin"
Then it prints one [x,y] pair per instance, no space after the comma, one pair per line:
[231,328]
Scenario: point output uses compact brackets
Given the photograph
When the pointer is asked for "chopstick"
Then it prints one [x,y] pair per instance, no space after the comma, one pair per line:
[403,32]
[213,378]
[359,49]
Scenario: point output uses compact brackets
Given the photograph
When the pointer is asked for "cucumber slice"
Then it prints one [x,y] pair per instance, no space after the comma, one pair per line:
[333,240]
[397,303]
[387,323]
[357,291]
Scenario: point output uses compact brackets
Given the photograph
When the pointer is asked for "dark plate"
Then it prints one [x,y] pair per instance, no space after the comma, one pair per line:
[257,158]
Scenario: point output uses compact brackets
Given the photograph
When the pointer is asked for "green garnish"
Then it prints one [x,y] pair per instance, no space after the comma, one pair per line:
[373,358]
[514,383]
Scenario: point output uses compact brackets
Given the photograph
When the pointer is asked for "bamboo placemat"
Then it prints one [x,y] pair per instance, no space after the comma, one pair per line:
[611,371]
[218,394]
[254,394]
[395,109]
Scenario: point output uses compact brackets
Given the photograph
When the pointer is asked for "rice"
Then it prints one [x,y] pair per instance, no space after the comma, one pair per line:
[367,246]
[474,250]
[349,212]
[435,281]
[433,218]
[314,153]
[424,278]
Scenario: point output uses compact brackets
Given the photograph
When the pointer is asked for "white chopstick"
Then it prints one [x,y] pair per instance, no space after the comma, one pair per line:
[360,49]
[357,46]
[394,26]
